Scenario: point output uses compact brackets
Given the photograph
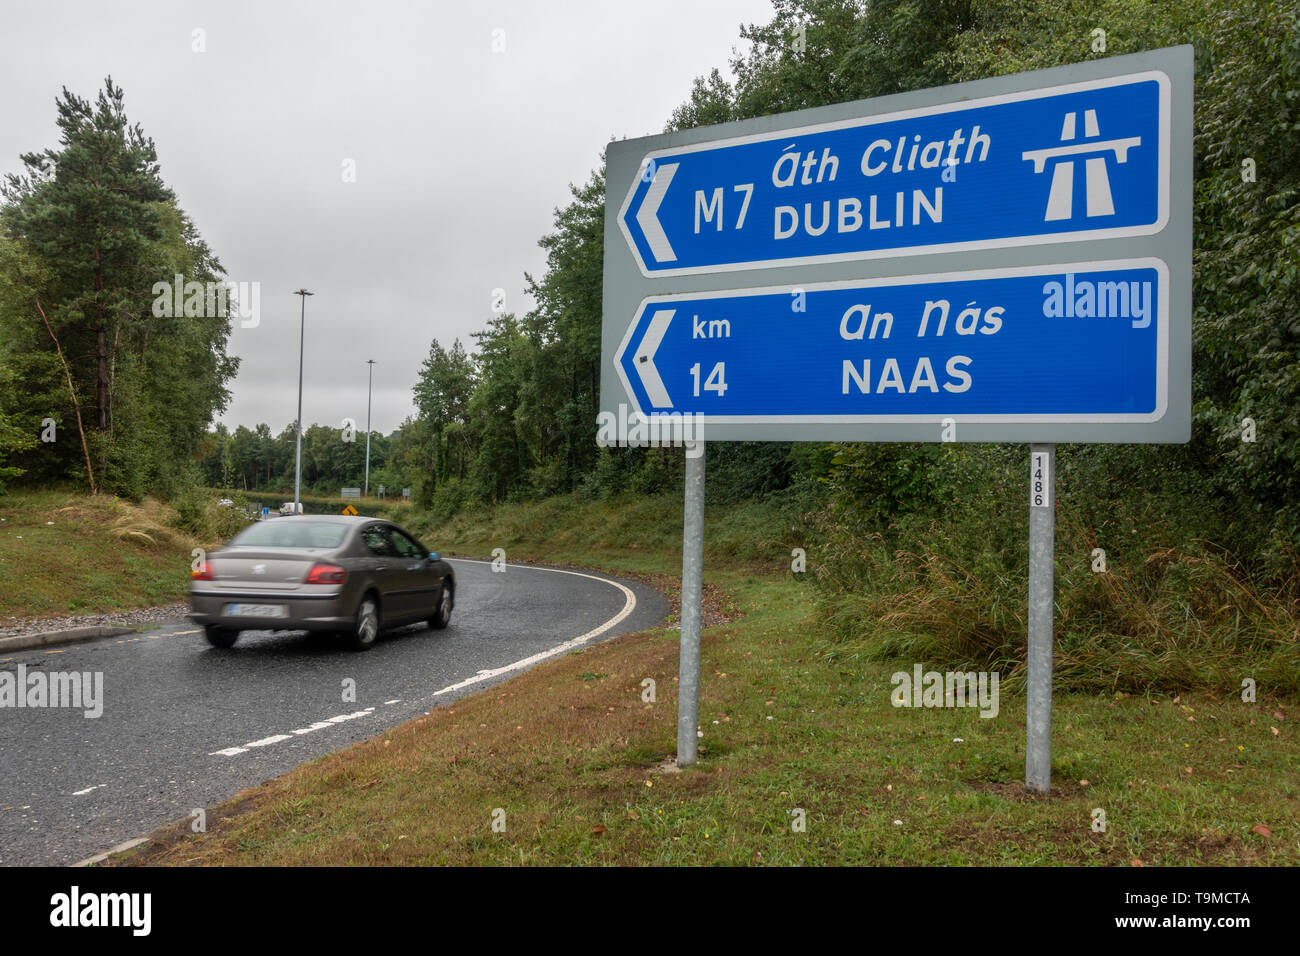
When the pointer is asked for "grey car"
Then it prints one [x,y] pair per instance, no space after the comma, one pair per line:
[330,573]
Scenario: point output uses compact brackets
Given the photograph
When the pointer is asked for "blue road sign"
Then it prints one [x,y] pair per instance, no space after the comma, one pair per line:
[1084,160]
[1078,342]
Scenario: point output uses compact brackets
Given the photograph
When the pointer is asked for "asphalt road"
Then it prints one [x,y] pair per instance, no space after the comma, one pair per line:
[187,726]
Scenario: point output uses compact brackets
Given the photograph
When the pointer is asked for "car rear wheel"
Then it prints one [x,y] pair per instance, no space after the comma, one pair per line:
[220,636]
[366,628]
[442,609]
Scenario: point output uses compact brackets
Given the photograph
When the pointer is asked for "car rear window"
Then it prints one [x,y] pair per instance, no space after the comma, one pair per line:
[291,533]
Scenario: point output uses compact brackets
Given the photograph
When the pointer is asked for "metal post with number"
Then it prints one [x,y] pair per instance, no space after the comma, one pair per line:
[688,668]
[1042,547]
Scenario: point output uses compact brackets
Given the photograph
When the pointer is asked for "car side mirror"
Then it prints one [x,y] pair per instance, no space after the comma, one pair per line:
[435,556]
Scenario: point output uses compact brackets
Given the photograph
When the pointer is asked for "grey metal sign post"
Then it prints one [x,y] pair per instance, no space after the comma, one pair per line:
[688,669]
[1042,591]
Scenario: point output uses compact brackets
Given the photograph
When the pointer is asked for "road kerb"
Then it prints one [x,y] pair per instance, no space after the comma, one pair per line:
[71,635]
[120,848]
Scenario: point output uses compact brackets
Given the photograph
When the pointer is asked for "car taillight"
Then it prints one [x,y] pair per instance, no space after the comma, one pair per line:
[326,574]
[204,573]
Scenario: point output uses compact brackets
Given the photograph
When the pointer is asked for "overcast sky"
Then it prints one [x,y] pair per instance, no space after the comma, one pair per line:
[460,152]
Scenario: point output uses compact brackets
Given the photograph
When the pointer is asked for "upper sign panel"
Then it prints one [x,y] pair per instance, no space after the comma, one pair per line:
[1087,160]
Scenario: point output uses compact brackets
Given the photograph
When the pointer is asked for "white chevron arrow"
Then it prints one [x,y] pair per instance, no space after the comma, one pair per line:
[645,359]
[647,217]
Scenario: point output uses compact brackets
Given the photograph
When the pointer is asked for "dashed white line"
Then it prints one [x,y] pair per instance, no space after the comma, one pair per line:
[82,793]
[319,725]
[277,738]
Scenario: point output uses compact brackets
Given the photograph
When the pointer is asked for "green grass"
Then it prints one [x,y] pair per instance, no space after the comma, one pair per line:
[632,533]
[66,554]
[580,763]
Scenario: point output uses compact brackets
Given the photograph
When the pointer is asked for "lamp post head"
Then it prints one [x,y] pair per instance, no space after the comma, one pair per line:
[303,292]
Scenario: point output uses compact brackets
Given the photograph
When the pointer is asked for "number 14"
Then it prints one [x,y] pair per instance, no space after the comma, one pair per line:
[716,382]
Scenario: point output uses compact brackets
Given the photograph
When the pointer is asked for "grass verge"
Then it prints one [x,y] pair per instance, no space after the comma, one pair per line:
[66,554]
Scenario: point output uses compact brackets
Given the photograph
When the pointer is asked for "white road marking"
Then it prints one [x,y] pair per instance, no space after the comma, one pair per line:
[277,738]
[629,605]
[82,793]
[395,700]
[319,725]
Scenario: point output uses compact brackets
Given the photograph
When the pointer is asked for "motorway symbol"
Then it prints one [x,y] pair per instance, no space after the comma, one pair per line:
[992,172]
[1077,342]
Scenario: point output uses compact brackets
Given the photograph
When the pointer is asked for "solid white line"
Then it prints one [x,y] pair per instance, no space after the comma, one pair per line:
[629,605]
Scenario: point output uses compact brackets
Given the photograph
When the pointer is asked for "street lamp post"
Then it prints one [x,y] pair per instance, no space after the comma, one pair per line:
[369,386]
[297,476]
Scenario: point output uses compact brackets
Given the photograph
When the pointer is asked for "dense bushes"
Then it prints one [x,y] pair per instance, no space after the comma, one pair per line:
[943,578]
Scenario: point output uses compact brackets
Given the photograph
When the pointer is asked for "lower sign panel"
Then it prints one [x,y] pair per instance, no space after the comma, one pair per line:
[1084,342]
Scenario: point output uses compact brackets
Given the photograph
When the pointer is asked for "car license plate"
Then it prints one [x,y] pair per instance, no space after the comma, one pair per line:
[256,610]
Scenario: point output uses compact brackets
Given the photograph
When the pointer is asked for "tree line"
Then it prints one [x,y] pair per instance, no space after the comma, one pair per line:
[512,414]
[96,387]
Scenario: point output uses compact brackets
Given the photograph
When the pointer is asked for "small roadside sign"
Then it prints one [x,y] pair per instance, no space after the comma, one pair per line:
[350,510]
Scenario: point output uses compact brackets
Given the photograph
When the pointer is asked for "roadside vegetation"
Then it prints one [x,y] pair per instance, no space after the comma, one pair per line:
[792,719]
[63,553]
